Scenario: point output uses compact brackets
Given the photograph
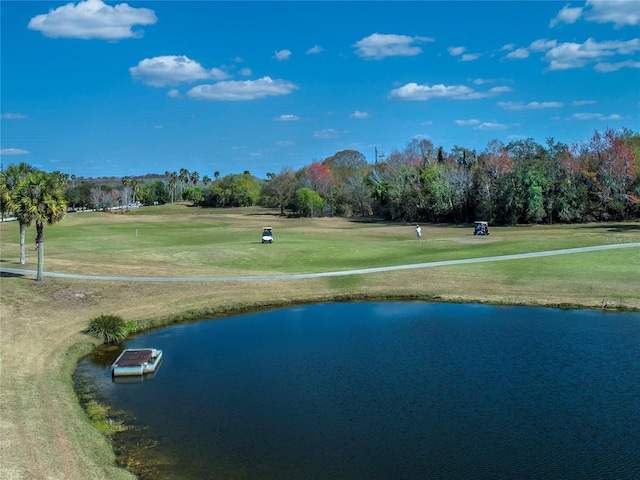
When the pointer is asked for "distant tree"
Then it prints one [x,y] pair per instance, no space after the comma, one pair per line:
[9,182]
[41,194]
[235,190]
[344,164]
[419,153]
[194,177]
[278,191]
[184,178]
[318,178]
[126,197]
[206,180]
[173,185]
[357,191]
[308,203]
[193,194]
[160,192]
[613,158]
[79,195]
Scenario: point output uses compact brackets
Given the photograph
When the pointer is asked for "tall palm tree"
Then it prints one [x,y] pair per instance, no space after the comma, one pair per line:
[40,197]
[194,177]
[11,178]
[184,178]
[173,183]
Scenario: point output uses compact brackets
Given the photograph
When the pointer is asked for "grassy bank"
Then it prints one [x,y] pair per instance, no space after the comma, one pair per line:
[45,432]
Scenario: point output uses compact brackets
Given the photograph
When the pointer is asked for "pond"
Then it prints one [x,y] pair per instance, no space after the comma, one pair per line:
[387,391]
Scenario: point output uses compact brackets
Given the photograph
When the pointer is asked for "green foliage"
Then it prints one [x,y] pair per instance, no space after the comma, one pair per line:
[108,328]
[308,203]
[100,416]
[236,190]
[193,194]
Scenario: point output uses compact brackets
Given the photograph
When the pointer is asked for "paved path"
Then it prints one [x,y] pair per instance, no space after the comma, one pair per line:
[296,276]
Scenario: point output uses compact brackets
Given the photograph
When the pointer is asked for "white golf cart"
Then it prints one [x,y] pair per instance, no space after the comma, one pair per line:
[267,235]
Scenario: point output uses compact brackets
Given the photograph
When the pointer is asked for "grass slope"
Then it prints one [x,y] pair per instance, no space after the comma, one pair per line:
[46,435]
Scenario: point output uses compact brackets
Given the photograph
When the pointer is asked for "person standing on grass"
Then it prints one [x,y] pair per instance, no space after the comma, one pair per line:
[419,233]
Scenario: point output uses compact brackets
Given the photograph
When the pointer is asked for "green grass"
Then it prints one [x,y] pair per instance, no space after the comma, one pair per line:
[185,241]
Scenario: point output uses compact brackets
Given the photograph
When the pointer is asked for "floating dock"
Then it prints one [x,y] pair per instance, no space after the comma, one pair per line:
[136,361]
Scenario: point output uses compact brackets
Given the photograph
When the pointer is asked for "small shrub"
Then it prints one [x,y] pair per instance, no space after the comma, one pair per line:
[110,328]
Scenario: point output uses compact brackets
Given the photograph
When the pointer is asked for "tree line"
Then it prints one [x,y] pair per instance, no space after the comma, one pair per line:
[519,182]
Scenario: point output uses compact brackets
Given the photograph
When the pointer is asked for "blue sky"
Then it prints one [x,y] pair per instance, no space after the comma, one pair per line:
[99,88]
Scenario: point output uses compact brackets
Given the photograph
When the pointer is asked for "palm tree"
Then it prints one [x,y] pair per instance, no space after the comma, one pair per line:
[184,178]
[216,174]
[10,180]
[173,183]
[194,177]
[206,180]
[40,197]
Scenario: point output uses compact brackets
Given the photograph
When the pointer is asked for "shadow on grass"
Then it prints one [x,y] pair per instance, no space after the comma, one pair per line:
[616,228]
[12,275]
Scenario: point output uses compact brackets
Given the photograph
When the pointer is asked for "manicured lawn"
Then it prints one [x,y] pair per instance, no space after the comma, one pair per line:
[184,241]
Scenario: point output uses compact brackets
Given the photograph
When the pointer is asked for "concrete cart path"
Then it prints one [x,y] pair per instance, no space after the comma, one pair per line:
[295,276]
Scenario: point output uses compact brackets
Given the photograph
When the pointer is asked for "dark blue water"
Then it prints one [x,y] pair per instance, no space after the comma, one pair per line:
[392,391]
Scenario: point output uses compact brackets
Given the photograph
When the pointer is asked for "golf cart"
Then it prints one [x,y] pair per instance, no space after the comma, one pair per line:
[481,228]
[267,235]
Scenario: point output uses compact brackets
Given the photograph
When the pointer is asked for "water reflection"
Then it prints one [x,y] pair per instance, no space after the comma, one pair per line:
[390,390]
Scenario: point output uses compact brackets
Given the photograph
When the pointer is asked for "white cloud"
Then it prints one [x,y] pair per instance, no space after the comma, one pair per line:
[378,46]
[460,52]
[469,57]
[595,116]
[518,106]
[614,67]
[172,70]
[619,12]
[491,126]
[542,45]
[174,93]
[242,90]
[567,15]
[245,72]
[456,51]
[578,103]
[471,121]
[569,55]
[281,55]
[315,49]
[326,134]
[413,91]
[575,55]
[13,151]
[518,54]
[285,143]
[482,81]
[13,116]
[287,118]
[93,19]
[359,114]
